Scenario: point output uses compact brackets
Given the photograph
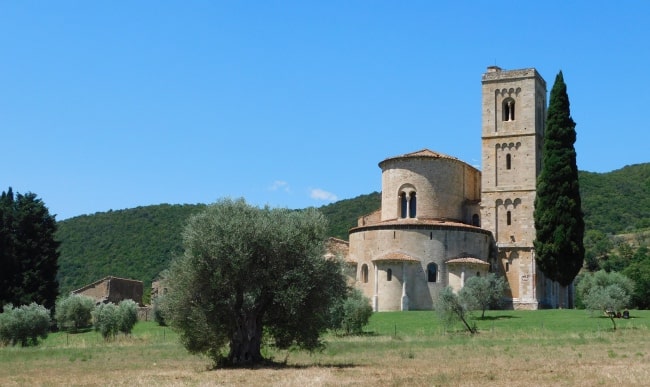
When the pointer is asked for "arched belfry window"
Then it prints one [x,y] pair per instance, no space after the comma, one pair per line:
[508,109]
[432,272]
[412,205]
[508,161]
[407,204]
[364,273]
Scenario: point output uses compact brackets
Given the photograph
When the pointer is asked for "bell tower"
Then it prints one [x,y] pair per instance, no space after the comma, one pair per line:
[513,113]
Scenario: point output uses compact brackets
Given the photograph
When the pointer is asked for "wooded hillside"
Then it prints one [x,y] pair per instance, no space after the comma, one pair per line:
[138,243]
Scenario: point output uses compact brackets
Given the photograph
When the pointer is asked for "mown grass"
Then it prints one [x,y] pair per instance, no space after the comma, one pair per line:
[548,347]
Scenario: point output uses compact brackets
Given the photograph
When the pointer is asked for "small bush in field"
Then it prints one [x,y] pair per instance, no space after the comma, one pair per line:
[74,312]
[352,313]
[24,325]
[157,311]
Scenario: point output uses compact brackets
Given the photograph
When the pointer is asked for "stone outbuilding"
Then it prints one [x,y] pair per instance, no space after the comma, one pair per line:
[113,289]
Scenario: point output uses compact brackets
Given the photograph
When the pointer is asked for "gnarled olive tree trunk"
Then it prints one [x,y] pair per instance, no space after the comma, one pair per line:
[246,341]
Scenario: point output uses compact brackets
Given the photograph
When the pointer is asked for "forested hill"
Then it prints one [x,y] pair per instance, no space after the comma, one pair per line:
[138,243]
[618,201]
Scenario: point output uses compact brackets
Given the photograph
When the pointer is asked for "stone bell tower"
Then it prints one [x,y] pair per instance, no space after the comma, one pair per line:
[513,113]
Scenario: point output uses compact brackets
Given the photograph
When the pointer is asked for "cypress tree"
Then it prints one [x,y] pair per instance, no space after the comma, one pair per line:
[28,251]
[7,257]
[558,215]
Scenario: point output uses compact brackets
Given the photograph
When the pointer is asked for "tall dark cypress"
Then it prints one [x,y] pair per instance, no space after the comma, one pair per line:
[558,215]
[29,251]
[8,268]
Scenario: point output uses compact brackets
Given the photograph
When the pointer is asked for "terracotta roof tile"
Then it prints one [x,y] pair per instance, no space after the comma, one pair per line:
[441,222]
[467,260]
[395,256]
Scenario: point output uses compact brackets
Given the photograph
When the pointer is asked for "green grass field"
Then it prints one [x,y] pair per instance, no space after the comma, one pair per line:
[547,347]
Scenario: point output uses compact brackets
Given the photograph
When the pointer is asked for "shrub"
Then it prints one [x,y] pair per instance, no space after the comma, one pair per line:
[74,312]
[24,325]
[157,311]
[352,313]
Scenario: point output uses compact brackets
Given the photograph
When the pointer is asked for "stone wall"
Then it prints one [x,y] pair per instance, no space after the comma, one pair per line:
[442,184]
[423,244]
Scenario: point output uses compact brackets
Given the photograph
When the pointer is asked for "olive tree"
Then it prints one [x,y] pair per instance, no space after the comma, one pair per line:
[451,308]
[74,312]
[128,316]
[106,320]
[109,319]
[607,292]
[24,325]
[248,271]
[481,293]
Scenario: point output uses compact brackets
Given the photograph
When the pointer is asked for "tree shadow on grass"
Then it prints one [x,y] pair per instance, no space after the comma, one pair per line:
[77,331]
[495,318]
[282,365]
[361,334]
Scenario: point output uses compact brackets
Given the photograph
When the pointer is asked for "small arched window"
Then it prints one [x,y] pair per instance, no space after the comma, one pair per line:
[432,272]
[389,275]
[476,221]
[412,205]
[364,273]
[508,161]
[507,267]
[508,109]
[508,218]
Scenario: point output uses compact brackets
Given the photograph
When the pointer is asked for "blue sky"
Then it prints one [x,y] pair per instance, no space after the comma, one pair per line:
[115,104]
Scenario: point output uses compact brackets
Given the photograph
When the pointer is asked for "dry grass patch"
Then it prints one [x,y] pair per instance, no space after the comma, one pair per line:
[498,355]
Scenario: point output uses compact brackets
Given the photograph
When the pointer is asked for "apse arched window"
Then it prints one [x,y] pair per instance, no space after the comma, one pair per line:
[432,272]
[403,204]
[364,273]
[508,161]
[389,275]
[412,205]
[508,109]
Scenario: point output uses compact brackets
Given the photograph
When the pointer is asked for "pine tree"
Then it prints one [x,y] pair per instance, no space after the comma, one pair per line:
[28,251]
[558,215]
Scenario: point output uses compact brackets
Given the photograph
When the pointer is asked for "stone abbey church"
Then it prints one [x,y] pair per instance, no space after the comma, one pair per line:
[443,221]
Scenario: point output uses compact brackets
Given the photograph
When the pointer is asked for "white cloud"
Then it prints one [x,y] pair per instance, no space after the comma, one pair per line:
[320,194]
[280,185]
